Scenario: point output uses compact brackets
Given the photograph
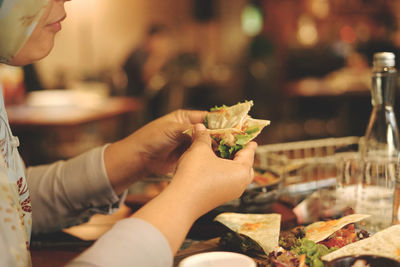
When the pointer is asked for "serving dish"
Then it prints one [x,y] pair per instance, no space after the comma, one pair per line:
[363,261]
[218,259]
[262,192]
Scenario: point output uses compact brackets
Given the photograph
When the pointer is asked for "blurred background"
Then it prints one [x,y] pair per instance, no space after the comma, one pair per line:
[118,64]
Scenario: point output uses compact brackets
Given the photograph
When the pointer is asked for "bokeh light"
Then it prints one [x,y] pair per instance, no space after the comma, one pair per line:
[252,20]
[347,34]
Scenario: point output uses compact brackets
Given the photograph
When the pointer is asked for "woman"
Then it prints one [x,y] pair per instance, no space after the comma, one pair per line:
[68,192]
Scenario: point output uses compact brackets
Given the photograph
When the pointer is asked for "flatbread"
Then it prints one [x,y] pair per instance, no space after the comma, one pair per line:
[231,128]
[319,231]
[260,124]
[229,117]
[385,243]
[264,229]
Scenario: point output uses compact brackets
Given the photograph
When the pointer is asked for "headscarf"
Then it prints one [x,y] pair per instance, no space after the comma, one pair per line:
[18,18]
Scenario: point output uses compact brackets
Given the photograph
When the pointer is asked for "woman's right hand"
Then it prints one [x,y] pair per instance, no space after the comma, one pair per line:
[202,182]
[209,180]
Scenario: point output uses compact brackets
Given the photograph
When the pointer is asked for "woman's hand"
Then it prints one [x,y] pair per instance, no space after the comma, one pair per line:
[202,182]
[209,180]
[154,148]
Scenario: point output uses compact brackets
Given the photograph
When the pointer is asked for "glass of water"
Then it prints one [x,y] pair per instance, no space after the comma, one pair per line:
[347,178]
[377,177]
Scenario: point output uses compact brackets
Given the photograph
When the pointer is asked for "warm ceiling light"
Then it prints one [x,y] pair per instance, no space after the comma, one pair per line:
[320,8]
[307,33]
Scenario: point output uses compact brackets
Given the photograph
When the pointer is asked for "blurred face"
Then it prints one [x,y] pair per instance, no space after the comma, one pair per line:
[41,40]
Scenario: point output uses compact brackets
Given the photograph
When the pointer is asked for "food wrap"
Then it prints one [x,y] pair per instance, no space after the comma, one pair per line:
[264,229]
[385,243]
[319,231]
[228,117]
[231,128]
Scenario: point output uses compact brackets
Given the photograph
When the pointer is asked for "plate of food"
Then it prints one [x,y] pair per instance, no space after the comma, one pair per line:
[323,243]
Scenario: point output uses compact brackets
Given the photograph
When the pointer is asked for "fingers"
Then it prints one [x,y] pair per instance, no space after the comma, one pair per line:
[200,134]
[246,155]
[191,116]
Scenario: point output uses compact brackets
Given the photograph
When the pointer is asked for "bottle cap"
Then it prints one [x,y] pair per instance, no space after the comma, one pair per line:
[384,59]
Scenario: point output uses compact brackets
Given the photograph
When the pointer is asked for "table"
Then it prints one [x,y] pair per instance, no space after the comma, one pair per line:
[58,248]
[49,133]
[24,115]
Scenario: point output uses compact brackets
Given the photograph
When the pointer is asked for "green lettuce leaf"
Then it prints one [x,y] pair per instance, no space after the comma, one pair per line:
[242,139]
[313,252]
[216,108]
[228,152]
[252,130]
[205,121]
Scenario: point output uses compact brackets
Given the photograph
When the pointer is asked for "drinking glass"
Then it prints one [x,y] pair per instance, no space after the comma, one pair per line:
[377,177]
[347,168]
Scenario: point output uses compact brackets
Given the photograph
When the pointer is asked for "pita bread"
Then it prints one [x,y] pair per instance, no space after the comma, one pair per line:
[251,123]
[264,229]
[319,231]
[229,117]
[231,128]
[385,243]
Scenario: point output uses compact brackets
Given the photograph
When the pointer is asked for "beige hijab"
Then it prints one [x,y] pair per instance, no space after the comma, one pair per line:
[18,18]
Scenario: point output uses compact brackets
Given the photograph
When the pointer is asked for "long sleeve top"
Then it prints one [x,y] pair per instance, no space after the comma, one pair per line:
[50,197]
[68,192]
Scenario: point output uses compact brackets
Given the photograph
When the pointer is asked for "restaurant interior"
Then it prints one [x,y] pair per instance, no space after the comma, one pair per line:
[117,65]
[305,64]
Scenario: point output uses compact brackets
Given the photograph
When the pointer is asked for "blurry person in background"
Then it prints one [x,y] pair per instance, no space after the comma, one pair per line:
[50,197]
[144,66]
[147,59]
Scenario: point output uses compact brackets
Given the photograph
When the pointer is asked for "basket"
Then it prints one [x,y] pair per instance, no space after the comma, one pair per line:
[305,166]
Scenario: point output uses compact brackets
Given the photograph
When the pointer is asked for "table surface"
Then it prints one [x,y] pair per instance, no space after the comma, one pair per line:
[26,115]
[57,249]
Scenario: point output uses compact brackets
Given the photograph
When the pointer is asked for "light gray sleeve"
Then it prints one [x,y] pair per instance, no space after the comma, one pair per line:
[68,192]
[131,242]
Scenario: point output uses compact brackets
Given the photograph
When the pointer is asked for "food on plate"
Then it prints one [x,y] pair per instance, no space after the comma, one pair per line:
[316,240]
[231,128]
[250,233]
[303,253]
[300,246]
[385,243]
[324,230]
[264,178]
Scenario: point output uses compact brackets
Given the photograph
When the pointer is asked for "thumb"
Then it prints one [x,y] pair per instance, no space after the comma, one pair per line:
[200,135]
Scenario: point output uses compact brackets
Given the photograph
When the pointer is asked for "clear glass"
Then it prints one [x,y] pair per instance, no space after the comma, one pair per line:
[376,191]
[367,186]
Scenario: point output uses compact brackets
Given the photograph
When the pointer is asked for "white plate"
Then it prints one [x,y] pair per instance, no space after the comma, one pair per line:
[218,259]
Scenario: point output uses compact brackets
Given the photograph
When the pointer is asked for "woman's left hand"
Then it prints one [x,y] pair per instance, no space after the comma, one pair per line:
[154,148]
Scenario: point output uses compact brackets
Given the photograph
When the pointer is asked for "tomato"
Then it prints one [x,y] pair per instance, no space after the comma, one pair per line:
[341,237]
